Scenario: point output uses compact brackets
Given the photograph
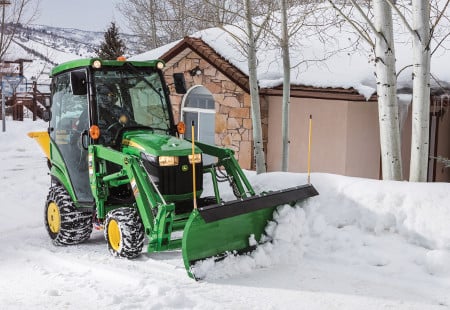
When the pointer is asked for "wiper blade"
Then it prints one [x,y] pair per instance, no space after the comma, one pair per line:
[140,77]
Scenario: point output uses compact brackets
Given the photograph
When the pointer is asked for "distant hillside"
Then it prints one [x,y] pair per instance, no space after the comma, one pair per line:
[49,46]
[71,40]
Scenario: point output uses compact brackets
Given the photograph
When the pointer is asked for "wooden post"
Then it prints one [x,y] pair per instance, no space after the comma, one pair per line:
[34,101]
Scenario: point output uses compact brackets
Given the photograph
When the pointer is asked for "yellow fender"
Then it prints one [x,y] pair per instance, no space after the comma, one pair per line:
[43,139]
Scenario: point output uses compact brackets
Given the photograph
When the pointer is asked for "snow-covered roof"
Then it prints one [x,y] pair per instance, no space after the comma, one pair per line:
[333,59]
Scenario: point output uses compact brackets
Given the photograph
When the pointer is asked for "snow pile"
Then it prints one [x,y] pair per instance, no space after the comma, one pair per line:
[286,234]
[360,244]
[436,262]
[346,208]
[17,182]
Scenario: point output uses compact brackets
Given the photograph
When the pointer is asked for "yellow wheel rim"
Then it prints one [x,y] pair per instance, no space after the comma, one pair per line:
[53,218]
[114,235]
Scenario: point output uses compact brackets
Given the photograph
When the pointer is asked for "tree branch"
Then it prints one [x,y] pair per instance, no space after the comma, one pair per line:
[401,70]
[402,17]
[440,43]
[363,35]
[433,27]
[368,21]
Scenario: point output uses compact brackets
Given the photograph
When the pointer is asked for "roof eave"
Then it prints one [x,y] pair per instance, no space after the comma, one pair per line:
[205,51]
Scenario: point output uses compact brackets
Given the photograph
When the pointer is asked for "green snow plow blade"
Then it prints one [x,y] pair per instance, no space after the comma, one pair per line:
[216,230]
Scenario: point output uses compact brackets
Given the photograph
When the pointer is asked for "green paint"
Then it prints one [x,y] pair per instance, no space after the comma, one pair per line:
[82,63]
[204,240]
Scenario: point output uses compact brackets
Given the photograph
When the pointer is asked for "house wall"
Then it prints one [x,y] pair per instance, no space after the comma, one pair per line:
[440,108]
[232,105]
[406,131]
[438,173]
[344,136]
[363,140]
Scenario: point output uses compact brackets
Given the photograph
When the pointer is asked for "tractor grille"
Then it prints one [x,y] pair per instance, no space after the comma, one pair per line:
[175,180]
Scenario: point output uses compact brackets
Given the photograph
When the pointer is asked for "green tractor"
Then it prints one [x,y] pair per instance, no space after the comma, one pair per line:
[118,161]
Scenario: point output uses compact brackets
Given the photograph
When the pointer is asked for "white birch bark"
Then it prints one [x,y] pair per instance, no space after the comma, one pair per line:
[386,79]
[421,91]
[387,93]
[286,88]
[260,160]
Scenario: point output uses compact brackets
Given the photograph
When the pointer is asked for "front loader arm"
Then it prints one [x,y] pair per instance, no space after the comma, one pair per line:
[226,159]
[131,172]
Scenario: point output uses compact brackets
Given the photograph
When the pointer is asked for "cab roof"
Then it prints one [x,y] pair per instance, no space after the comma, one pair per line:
[82,63]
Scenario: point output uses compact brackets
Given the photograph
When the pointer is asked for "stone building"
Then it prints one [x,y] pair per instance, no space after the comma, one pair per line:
[218,97]
[345,136]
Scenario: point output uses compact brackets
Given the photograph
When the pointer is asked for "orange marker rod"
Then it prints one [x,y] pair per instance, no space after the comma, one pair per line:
[194,185]
[309,149]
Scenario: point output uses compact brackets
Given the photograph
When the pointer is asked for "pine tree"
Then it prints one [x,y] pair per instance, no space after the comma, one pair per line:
[113,46]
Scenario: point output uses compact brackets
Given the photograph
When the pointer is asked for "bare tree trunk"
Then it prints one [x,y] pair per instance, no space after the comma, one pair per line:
[2,31]
[254,94]
[154,27]
[387,93]
[421,92]
[286,88]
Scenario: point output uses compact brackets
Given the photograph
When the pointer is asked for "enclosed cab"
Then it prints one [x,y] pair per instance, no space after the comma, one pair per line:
[125,106]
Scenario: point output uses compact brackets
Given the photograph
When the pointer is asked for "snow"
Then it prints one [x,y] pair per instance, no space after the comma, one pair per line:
[155,53]
[336,58]
[360,244]
[39,69]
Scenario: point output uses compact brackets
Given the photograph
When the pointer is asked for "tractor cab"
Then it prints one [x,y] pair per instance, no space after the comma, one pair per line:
[97,102]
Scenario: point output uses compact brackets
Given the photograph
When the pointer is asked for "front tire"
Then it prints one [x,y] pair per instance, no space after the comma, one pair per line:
[124,232]
[64,223]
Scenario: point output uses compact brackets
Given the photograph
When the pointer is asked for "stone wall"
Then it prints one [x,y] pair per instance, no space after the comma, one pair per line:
[232,104]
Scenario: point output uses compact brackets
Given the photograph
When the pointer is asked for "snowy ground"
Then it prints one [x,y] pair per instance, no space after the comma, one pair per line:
[361,244]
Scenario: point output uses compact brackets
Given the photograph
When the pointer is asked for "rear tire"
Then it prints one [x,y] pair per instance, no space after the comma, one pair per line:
[64,223]
[124,232]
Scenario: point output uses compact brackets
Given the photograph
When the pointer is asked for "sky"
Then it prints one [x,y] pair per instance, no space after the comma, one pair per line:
[94,15]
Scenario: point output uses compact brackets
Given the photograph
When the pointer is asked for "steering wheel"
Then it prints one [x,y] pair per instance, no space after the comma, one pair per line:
[117,123]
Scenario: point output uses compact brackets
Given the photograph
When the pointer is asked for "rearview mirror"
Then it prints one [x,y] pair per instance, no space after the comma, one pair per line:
[78,83]
[46,116]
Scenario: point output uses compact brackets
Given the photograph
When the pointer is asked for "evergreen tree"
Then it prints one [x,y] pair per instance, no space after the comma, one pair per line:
[113,46]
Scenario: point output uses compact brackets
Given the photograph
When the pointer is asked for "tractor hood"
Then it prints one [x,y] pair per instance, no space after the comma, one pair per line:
[136,142]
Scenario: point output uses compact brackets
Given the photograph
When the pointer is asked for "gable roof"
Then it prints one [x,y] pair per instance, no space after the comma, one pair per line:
[197,45]
[174,52]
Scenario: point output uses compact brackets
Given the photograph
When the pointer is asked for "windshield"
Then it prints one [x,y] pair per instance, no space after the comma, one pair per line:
[130,98]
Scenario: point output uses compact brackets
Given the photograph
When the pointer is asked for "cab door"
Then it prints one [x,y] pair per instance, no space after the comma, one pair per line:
[69,123]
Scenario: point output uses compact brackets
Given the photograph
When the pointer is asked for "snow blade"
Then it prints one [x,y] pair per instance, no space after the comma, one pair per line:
[237,207]
[214,231]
